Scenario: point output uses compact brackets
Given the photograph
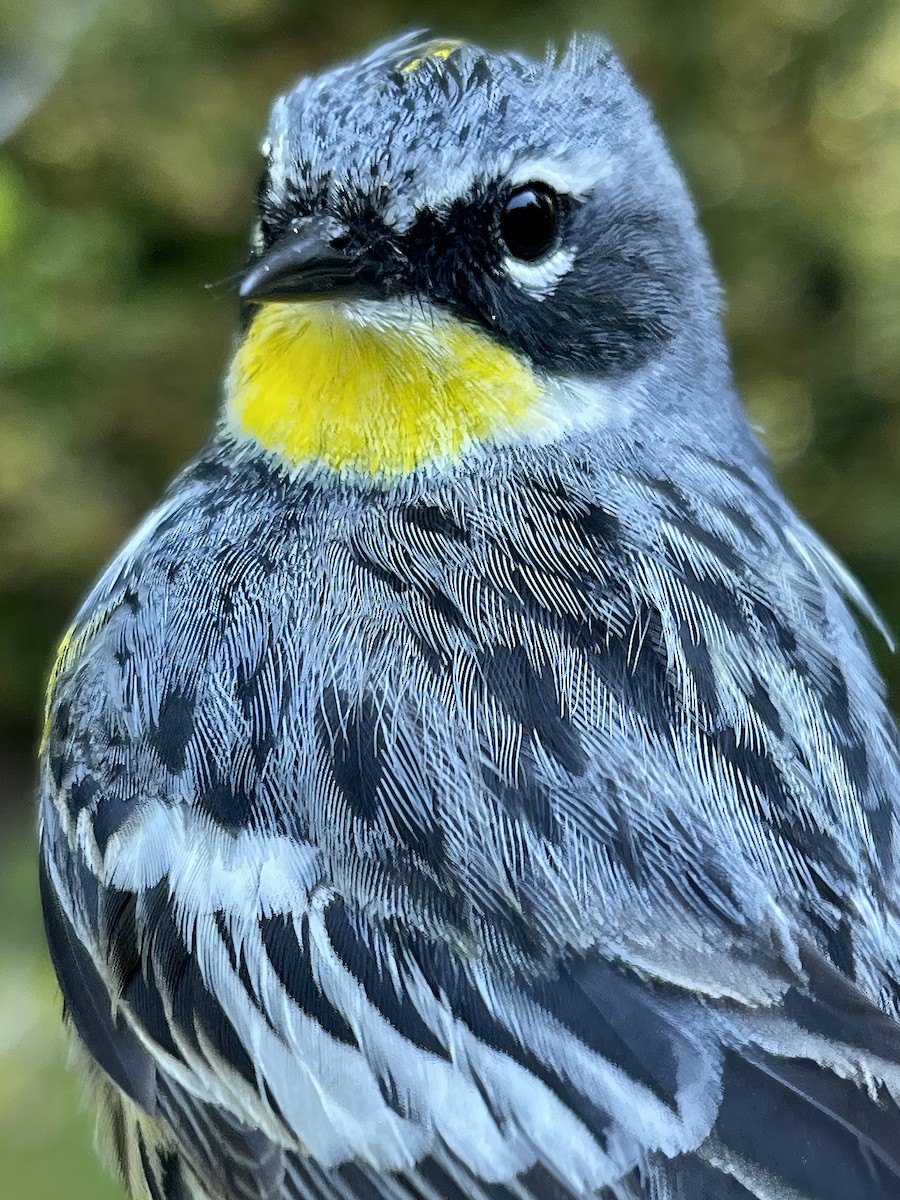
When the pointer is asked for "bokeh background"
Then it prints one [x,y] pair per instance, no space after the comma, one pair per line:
[127,167]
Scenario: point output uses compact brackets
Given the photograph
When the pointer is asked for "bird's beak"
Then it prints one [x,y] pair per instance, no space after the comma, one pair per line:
[310,263]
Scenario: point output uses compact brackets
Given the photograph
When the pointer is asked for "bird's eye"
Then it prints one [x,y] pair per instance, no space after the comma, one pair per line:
[529,221]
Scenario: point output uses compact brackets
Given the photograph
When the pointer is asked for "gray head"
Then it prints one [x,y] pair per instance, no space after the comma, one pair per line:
[535,201]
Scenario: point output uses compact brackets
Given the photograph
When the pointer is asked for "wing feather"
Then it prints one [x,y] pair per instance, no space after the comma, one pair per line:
[591,1078]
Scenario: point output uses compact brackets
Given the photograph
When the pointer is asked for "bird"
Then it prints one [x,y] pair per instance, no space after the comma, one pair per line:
[471,781]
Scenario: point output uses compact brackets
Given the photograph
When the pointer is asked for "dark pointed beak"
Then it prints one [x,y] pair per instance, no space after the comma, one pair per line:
[310,263]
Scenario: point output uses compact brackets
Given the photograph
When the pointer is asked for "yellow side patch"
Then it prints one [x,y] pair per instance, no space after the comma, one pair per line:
[73,644]
[376,390]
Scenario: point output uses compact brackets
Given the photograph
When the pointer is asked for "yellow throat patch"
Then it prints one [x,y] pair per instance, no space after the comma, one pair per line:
[374,389]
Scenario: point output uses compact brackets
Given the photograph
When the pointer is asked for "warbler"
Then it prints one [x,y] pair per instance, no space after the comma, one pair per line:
[469,782]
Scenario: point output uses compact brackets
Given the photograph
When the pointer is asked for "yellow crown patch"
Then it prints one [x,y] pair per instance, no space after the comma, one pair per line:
[429,52]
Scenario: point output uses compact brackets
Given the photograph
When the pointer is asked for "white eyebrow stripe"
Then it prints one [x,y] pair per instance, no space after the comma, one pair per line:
[540,279]
[456,182]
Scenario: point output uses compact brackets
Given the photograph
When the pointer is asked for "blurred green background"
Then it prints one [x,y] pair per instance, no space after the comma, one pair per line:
[126,178]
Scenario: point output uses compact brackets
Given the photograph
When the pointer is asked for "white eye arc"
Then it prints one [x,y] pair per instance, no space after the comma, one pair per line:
[540,279]
[575,175]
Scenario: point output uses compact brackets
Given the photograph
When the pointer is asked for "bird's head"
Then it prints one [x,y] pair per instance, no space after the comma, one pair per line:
[457,250]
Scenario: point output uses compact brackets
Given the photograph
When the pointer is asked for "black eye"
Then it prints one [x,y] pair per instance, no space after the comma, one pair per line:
[529,222]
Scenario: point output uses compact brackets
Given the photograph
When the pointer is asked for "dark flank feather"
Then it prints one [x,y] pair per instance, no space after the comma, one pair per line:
[87,1005]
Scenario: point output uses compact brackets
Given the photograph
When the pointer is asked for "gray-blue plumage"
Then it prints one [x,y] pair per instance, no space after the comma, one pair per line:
[522,828]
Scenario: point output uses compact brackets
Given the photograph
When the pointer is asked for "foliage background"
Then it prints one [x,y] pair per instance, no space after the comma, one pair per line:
[125,188]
